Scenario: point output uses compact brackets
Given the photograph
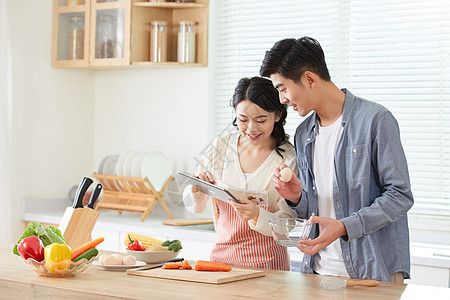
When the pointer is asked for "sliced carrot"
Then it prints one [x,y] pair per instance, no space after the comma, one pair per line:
[203,265]
[85,247]
[177,265]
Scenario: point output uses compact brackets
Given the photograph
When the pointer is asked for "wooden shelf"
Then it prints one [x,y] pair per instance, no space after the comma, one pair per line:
[170,5]
[162,64]
[131,194]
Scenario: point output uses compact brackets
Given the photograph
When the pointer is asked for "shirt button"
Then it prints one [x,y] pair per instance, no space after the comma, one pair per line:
[308,139]
[354,150]
[307,263]
[314,188]
[346,256]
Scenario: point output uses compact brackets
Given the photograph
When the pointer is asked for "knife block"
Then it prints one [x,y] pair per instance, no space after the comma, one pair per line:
[76,225]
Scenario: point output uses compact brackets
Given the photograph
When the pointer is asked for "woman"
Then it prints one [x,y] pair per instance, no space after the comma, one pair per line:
[244,162]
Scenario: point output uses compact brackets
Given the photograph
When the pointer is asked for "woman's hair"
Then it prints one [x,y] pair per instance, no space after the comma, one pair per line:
[261,92]
[291,58]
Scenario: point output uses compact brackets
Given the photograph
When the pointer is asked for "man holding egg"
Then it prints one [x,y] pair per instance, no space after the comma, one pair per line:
[353,175]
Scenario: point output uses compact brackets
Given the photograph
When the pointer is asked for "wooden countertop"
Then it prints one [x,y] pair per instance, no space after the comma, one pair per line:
[17,280]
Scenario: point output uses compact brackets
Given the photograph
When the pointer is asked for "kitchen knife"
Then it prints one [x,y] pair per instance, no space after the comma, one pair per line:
[95,195]
[82,188]
[154,266]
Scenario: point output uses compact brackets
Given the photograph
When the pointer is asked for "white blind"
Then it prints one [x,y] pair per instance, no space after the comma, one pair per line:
[396,53]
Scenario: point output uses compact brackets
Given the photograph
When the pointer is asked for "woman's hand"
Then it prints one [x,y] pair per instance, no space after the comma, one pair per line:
[205,176]
[246,211]
[291,190]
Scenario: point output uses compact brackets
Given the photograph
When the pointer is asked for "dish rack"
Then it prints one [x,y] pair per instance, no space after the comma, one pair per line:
[131,194]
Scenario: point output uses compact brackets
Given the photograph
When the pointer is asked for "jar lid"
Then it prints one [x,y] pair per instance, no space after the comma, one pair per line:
[159,22]
[188,22]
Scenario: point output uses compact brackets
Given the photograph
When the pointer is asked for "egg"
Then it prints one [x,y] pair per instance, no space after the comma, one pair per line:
[129,260]
[286,175]
[101,257]
[110,260]
[119,258]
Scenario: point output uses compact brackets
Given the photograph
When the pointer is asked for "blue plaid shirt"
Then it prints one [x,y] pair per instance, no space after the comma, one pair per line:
[372,191]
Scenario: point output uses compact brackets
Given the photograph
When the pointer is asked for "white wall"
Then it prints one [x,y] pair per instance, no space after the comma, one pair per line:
[152,109]
[66,120]
[52,111]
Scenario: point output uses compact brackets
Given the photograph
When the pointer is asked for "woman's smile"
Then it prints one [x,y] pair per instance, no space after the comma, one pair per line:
[254,136]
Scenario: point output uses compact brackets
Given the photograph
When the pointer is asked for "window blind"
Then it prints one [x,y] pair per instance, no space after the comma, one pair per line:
[396,53]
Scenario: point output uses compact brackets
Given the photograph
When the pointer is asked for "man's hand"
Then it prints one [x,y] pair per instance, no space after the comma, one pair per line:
[291,190]
[246,211]
[331,230]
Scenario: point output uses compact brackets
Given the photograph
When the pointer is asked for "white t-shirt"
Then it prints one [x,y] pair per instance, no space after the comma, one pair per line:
[329,260]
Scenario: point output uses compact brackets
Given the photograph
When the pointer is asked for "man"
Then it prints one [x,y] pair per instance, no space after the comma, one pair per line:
[353,175]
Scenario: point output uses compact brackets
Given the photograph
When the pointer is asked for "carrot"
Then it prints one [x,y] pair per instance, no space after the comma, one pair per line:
[177,265]
[203,265]
[85,247]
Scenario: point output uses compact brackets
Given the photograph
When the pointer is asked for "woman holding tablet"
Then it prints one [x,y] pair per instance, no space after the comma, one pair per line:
[243,162]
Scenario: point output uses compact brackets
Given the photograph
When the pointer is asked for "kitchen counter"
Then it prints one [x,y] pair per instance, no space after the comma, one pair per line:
[17,281]
[197,239]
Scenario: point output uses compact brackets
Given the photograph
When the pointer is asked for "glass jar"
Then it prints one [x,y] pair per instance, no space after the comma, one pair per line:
[186,42]
[158,41]
[105,44]
[76,38]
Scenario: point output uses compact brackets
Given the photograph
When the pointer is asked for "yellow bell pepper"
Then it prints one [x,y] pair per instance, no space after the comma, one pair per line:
[57,257]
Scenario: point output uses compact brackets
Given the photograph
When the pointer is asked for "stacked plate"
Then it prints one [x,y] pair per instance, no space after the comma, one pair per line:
[154,165]
[108,164]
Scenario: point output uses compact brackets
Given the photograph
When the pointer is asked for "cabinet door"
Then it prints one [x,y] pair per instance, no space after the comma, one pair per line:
[70,33]
[110,33]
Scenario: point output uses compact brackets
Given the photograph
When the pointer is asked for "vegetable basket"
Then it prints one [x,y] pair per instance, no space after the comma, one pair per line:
[65,268]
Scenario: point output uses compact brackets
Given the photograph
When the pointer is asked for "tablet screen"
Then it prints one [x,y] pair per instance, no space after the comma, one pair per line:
[208,188]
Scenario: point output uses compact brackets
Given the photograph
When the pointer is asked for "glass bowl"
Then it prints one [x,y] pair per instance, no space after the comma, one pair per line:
[64,268]
[289,231]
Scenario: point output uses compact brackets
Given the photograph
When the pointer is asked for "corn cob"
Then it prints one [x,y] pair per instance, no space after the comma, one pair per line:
[146,241]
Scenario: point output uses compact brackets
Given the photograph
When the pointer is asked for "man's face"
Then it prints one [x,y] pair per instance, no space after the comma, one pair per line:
[296,95]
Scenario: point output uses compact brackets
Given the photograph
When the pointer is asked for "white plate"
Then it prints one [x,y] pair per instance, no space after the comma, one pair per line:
[137,164]
[118,267]
[156,167]
[128,164]
[152,257]
[102,164]
[110,164]
[120,163]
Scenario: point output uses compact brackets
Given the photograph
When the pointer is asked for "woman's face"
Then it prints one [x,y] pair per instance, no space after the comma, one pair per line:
[255,124]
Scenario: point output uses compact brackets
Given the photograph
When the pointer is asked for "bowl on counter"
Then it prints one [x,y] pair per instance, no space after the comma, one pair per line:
[153,257]
[66,268]
[289,231]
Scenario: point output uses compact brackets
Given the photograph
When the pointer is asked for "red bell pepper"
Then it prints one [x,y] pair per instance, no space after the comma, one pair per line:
[31,247]
[135,245]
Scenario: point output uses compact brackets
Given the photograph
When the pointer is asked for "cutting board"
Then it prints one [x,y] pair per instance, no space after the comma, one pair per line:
[200,276]
[184,222]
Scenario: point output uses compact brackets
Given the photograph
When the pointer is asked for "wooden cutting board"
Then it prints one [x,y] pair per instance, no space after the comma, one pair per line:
[200,276]
[183,222]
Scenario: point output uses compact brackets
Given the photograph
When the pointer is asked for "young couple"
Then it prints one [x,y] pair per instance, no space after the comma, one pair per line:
[350,173]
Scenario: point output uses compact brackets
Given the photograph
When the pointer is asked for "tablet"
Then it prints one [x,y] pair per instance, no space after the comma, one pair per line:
[208,188]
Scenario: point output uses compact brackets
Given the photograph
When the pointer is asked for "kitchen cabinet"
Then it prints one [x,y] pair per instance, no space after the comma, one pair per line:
[106,33]
[91,33]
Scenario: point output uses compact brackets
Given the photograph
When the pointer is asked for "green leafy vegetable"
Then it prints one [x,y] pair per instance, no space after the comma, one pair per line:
[47,235]
[174,245]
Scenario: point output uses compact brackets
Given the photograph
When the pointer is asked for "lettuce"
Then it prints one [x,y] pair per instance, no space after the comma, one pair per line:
[47,235]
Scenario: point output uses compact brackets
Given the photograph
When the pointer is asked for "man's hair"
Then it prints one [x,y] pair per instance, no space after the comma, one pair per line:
[291,58]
